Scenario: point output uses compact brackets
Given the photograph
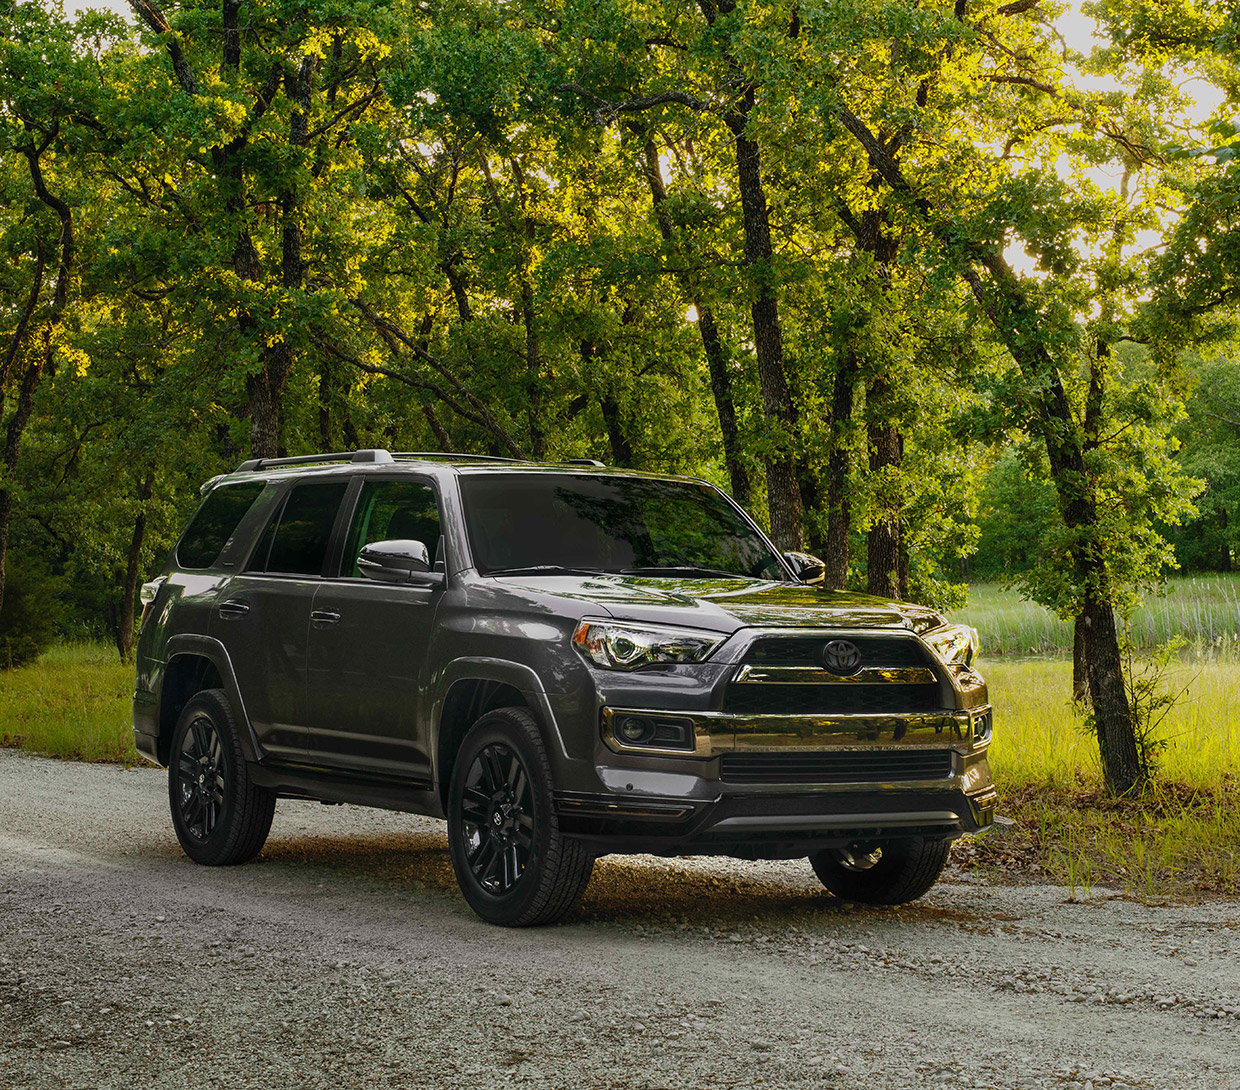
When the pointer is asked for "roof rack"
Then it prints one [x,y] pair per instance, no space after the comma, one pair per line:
[378,456]
[366,456]
[444,456]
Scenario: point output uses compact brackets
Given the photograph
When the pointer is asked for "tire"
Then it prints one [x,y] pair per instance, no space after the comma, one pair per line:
[890,872]
[220,816]
[514,866]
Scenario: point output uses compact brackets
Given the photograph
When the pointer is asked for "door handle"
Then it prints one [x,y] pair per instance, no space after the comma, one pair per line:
[323,617]
[233,608]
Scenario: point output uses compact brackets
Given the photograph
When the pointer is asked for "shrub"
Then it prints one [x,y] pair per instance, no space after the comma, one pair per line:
[29,614]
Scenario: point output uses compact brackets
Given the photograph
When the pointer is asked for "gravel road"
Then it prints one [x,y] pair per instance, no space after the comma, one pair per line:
[345,958]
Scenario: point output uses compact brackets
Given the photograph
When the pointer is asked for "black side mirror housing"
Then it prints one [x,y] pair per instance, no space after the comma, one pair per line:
[807,568]
[400,561]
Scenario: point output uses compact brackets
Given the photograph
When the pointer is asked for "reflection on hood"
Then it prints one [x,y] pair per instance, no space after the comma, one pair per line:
[724,605]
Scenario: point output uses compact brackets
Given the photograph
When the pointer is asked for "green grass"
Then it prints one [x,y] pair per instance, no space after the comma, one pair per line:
[1204,611]
[74,702]
[1181,837]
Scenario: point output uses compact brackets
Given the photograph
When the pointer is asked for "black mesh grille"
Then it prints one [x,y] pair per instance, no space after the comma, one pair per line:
[807,651]
[840,699]
[838,767]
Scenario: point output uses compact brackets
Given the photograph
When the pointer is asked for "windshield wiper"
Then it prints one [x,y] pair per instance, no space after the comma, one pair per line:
[686,570]
[546,569]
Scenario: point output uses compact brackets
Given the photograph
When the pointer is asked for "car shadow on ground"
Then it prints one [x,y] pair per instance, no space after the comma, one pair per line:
[634,891]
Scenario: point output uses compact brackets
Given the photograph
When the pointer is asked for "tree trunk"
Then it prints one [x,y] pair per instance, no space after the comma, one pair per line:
[1080,680]
[883,544]
[712,342]
[436,426]
[782,489]
[621,448]
[839,510]
[1017,321]
[129,593]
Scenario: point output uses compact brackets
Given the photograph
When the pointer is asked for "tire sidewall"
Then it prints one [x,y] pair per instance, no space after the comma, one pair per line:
[508,728]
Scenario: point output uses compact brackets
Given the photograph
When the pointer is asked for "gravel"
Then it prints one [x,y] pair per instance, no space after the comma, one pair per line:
[345,958]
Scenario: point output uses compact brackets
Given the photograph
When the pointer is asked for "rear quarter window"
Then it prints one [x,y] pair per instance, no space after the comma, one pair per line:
[214,523]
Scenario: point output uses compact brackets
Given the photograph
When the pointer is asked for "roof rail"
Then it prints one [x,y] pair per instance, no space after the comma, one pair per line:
[366,456]
[378,456]
[440,455]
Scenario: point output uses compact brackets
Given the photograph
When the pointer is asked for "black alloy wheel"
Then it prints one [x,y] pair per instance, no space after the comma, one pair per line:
[882,872]
[514,866]
[201,781]
[220,815]
[497,819]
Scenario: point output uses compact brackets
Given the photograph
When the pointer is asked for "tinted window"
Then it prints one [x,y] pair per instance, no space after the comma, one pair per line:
[612,524]
[214,523]
[295,542]
[393,511]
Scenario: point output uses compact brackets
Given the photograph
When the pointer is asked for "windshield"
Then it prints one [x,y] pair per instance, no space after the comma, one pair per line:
[586,523]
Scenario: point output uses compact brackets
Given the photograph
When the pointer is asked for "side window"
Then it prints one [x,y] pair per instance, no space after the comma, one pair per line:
[295,541]
[214,522]
[390,511]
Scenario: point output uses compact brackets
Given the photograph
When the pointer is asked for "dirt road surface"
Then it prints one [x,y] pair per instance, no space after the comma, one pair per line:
[345,958]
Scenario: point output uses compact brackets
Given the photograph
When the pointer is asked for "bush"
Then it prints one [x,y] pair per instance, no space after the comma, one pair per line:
[29,614]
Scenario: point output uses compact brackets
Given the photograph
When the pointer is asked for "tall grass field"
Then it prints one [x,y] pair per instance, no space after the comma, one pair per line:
[1204,611]
[75,702]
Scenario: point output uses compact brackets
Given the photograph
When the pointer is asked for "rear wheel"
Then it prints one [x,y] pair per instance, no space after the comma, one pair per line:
[220,816]
[881,872]
[513,864]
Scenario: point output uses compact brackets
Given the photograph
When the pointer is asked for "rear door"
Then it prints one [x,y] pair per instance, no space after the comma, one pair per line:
[263,616]
[369,641]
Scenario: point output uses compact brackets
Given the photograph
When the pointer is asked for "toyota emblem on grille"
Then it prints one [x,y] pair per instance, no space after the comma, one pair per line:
[841,657]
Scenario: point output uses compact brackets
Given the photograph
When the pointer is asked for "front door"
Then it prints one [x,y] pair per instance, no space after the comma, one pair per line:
[368,643]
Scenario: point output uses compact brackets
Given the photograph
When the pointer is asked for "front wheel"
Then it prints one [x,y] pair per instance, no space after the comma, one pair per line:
[513,864]
[887,872]
[220,816]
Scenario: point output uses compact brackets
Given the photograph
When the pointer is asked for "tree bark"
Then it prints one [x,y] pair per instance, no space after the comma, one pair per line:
[883,542]
[621,448]
[836,553]
[1080,680]
[129,592]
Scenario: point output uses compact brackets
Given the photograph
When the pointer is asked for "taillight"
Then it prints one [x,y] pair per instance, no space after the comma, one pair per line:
[147,596]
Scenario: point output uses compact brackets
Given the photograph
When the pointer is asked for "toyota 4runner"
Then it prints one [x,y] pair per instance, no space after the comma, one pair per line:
[563,661]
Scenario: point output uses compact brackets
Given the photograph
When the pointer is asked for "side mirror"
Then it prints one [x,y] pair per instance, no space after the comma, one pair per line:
[400,561]
[807,568]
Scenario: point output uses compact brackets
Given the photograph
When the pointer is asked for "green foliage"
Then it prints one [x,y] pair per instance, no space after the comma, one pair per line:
[28,618]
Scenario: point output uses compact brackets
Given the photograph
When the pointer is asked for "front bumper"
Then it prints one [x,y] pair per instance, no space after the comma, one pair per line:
[884,777]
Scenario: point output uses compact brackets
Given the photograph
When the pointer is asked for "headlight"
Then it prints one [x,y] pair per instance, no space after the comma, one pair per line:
[627,646]
[955,645]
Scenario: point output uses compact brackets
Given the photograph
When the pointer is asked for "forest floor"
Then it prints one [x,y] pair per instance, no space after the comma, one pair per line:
[344,957]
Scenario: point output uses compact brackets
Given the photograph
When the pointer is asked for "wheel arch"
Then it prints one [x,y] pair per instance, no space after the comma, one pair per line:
[470,689]
[196,663]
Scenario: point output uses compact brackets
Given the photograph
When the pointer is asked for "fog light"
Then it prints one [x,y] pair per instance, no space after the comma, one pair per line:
[634,730]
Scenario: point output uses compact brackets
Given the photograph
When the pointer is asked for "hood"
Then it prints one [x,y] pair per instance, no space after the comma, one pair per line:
[724,605]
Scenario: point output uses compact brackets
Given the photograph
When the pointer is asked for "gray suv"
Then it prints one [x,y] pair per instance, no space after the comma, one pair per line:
[561,660]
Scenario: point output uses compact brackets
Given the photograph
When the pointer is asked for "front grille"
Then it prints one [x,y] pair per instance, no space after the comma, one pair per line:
[807,651]
[846,766]
[788,675]
[885,699]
